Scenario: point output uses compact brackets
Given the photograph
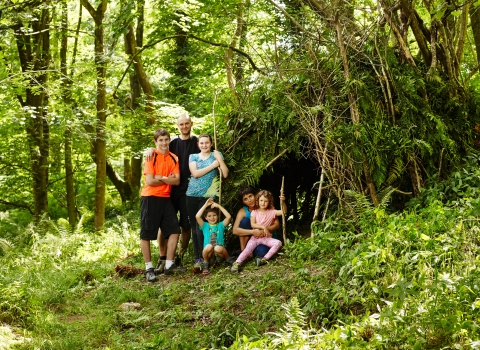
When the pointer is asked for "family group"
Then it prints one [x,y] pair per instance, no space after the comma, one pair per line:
[179,175]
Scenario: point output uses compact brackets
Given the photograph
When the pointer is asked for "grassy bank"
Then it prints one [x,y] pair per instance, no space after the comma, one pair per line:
[378,280]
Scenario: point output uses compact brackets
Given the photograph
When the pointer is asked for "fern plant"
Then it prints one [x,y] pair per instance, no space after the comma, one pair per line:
[5,245]
[292,335]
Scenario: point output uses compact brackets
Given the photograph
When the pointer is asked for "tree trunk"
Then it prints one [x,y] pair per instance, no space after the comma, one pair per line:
[461,37]
[475,21]
[133,164]
[355,115]
[181,69]
[229,53]
[417,32]
[130,44]
[34,53]
[67,135]
[100,141]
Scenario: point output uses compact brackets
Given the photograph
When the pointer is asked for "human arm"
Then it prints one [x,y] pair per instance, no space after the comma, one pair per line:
[283,206]
[263,230]
[148,153]
[221,162]
[243,232]
[253,222]
[199,214]
[275,226]
[228,217]
[158,180]
[196,173]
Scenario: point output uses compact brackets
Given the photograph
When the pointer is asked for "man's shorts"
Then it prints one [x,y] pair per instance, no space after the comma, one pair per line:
[155,213]
[180,204]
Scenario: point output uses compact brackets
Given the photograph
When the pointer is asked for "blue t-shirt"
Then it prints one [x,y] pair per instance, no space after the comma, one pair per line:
[217,229]
[198,187]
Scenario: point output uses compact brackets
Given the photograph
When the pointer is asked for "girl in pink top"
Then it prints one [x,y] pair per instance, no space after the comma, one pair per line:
[261,218]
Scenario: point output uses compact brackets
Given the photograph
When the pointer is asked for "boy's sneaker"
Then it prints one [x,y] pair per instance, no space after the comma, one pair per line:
[260,261]
[150,275]
[160,267]
[174,270]
[205,269]
[235,267]
[197,266]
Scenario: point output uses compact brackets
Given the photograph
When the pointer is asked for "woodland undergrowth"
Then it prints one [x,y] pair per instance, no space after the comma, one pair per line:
[375,280]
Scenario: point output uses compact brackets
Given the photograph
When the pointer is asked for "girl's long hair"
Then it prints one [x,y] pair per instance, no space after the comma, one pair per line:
[266,194]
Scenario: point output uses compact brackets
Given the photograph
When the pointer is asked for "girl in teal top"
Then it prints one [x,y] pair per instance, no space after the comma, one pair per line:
[204,168]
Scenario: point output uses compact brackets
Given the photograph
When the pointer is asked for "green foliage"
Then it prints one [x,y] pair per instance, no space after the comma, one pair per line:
[405,280]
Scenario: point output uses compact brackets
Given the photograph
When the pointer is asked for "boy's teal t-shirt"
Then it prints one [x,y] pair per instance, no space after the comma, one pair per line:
[217,229]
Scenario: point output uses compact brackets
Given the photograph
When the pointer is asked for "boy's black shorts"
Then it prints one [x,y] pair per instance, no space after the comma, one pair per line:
[155,213]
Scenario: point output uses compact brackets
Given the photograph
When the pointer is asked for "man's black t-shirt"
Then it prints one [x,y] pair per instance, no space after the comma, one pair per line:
[182,149]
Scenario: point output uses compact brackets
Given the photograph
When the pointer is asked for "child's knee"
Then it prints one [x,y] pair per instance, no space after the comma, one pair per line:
[219,249]
[208,248]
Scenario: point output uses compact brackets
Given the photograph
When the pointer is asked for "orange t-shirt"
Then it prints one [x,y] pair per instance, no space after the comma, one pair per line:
[160,165]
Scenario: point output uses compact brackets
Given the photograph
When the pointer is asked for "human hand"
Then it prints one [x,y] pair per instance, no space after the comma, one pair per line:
[257,232]
[217,156]
[266,233]
[282,198]
[211,202]
[149,152]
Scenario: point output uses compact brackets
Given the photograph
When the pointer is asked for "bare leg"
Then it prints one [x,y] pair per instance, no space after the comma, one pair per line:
[207,252]
[162,244]
[243,242]
[145,247]
[172,245]
[221,252]
[184,238]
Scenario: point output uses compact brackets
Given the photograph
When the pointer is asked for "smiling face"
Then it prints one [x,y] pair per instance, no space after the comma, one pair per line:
[249,200]
[263,202]
[162,143]
[205,144]
[211,217]
[184,124]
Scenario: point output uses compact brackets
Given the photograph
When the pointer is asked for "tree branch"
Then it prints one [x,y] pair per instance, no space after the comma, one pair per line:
[252,64]
[17,205]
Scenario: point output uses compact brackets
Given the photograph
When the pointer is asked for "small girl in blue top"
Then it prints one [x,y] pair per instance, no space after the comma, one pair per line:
[203,167]
[213,232]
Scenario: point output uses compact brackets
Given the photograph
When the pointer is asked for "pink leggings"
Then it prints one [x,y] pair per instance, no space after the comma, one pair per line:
[254,242]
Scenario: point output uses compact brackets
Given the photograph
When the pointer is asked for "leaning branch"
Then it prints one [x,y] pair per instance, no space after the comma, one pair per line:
[276,158]
[139,51]
[17,205]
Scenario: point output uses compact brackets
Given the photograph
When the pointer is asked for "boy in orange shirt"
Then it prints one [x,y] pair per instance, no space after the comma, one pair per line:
[161,173]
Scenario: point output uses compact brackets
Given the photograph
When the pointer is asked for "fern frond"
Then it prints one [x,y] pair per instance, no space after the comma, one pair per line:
[358,202]
[384,197]
[5,245]
[214,189]
[395,171]
[293,333]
